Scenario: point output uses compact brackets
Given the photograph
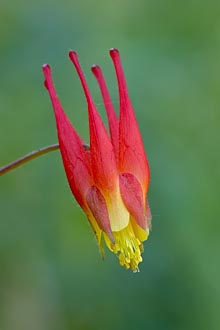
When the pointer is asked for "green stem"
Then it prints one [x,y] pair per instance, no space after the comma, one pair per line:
[34,154]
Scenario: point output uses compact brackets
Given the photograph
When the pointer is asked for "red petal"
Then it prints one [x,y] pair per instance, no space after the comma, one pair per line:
[97,205]
[132,196]
[132,157]
[101,149]
[112,118]
[75,160]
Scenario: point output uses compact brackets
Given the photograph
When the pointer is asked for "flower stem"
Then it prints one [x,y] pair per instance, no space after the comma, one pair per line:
[34,154]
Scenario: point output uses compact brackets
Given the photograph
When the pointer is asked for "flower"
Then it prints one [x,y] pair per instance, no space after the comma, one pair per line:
[109,179]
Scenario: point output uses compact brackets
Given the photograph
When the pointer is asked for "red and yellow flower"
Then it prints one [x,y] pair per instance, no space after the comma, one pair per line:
[109,179]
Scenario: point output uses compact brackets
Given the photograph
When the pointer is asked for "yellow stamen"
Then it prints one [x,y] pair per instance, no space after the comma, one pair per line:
[127,247]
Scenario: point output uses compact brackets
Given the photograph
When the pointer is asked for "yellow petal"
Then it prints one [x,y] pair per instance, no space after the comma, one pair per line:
[118,213]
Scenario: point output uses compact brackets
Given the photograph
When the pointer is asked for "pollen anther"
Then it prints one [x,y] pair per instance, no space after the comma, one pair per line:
[128,248]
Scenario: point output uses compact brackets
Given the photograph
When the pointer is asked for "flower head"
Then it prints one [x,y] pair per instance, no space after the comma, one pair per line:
[110,179]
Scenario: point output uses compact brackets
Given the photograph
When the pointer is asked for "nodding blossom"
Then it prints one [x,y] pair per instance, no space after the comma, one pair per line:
[109,179]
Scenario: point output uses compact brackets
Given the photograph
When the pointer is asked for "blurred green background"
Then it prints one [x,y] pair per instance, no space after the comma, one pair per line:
[51,274]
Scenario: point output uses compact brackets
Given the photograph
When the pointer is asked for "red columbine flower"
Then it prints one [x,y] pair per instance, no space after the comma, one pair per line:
[110,180]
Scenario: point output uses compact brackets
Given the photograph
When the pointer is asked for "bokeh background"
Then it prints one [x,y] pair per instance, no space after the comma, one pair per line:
[51,274]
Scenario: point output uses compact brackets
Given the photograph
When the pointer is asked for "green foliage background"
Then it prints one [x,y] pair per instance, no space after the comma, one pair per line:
[51,274]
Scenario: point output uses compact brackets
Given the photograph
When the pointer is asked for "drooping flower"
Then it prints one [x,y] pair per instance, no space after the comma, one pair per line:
[110,179]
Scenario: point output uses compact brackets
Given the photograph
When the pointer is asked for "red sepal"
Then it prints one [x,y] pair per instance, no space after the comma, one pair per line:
[101,149]
[132,157]
[75,160]
[113,121]
[97,205]
[132,196]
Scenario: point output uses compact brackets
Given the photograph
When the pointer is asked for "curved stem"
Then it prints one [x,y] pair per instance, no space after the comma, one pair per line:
[27,158]
[33,154]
